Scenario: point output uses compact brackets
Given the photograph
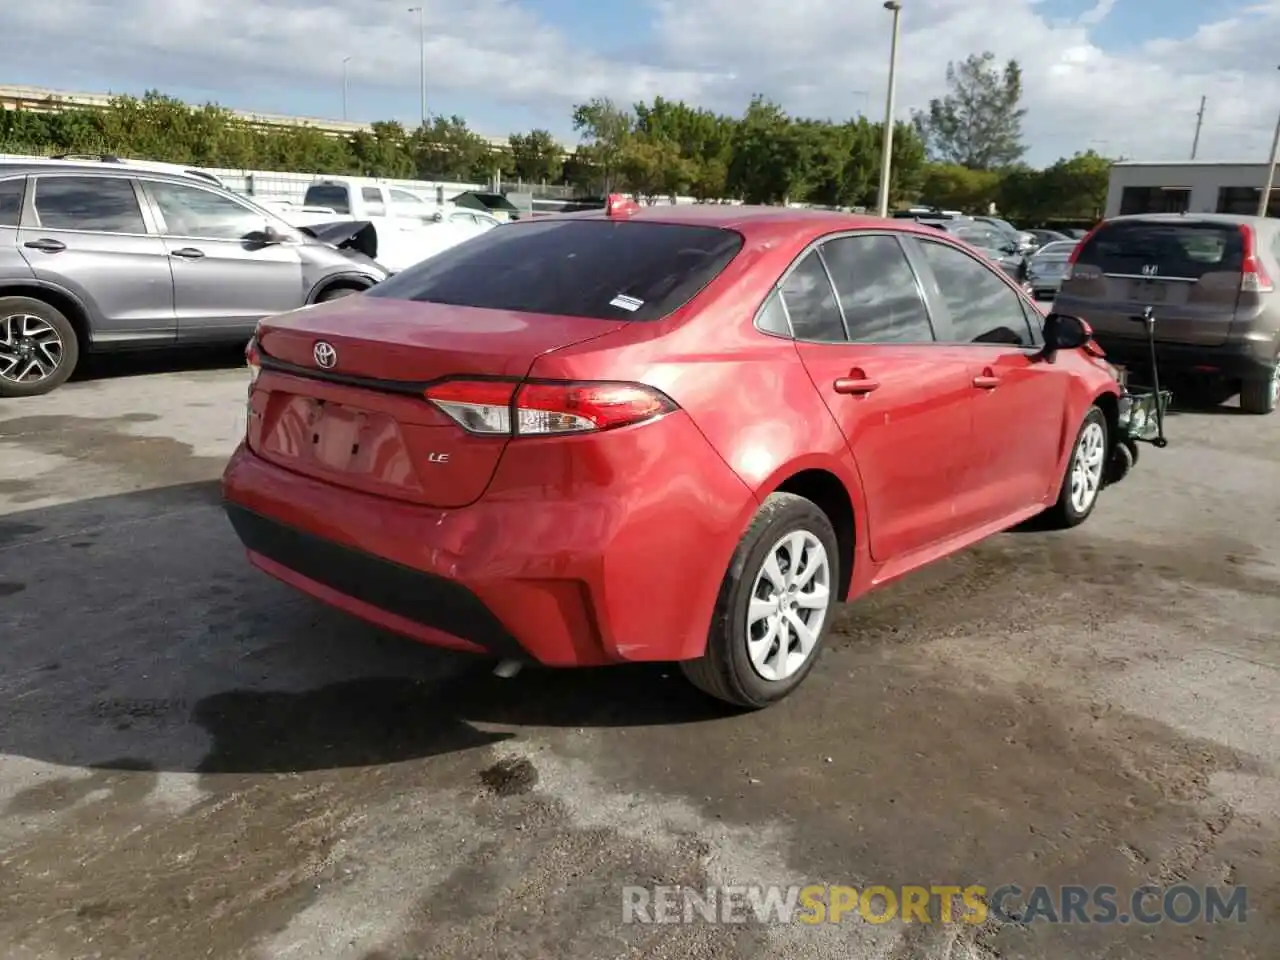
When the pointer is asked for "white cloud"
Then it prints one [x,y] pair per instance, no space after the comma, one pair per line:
[818,57]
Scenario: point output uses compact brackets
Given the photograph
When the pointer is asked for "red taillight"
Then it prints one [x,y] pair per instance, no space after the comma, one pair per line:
[546,408]
[1083,271]
[1254,277]
[620,205]
[253,359]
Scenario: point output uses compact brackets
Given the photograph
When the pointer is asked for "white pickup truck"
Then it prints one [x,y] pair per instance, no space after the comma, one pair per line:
[409,228]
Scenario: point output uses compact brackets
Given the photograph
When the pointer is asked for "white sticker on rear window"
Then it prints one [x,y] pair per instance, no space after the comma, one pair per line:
[623,302]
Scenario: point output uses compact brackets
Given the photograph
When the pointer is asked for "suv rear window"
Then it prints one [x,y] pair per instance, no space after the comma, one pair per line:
[581,268]
[334,196]
[1188,250]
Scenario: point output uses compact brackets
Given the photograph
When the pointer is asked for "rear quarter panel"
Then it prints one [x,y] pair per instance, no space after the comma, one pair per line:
[747,392]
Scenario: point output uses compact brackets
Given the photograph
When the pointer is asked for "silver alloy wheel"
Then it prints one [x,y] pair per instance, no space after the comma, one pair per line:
[789,603]
[1275,386]
[30,349]
[1086,466]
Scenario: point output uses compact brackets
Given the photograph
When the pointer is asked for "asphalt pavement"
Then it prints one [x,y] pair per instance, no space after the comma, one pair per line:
[197,761]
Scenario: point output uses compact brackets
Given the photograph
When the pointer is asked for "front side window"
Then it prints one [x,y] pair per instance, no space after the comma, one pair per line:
[878,291]
[11,201]
[94,204]
[191,211]
[601,269]
[983,308]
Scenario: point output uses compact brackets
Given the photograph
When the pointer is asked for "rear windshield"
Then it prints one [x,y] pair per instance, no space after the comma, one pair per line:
[333,196]
[580,268]
[1058,248]
[1187,250]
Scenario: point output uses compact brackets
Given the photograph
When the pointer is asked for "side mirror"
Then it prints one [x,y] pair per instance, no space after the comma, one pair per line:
[1063,332]
[271,235]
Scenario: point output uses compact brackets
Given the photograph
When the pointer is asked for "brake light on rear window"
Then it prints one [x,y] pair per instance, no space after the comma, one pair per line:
[546,408]
[1254,278]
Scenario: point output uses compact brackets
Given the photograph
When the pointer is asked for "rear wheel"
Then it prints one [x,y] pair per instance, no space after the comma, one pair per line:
[1085,468]
[1261,396]
[336,294]
[38,347]
[774,607]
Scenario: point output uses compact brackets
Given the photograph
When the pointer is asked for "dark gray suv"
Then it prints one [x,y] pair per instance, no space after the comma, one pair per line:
[96,257]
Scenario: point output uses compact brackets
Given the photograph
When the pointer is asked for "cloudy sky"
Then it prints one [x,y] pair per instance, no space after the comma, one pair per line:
[1119,76]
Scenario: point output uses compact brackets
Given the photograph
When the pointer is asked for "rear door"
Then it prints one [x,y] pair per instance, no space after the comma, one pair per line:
[225,276]
[1189,271]
[1018,404]
[87,234]
[901,400]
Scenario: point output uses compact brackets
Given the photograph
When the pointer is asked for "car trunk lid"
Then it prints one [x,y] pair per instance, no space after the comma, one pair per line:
[341,396]
[1194,274]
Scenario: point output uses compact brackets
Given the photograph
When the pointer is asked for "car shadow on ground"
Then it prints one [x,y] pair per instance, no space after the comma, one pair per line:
[138,637]
[110,366]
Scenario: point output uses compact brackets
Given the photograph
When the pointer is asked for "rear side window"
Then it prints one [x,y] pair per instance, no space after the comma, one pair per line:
[811,302]
[1187,250]
[877,290]
[11,201]
[624,270]
[97,204]
[372,197]
[334,196]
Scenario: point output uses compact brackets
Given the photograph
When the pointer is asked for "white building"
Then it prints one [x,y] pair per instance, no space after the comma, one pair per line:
[1194,186]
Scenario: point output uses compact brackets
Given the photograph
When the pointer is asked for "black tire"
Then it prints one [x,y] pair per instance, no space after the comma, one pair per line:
[1260,396]
[337,293]
[725,670]
[1064,513]
[69,355]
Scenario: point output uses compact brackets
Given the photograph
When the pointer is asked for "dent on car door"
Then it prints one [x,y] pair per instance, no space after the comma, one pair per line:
[226,275]
[1018,401]
[900,400]
[88,235]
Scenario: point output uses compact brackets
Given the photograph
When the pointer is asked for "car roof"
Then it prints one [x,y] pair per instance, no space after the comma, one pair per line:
[756,223]
[44,165]
[1226,219]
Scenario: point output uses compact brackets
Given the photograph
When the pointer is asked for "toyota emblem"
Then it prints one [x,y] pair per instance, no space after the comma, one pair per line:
[326,356]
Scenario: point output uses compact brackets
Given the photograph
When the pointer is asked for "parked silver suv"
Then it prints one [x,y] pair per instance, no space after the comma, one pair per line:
[99,257]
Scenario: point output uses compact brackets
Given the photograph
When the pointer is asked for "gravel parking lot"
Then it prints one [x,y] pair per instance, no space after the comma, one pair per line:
[196,761]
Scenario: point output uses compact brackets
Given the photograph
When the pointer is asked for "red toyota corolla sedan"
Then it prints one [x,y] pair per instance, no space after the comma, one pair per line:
[678,433]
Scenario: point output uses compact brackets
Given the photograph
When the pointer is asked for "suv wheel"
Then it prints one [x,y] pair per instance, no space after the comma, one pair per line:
[38,347]
[1261,396]
[775,606]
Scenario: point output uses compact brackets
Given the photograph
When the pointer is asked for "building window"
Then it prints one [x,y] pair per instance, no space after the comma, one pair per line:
[1155,200]
[1243,201]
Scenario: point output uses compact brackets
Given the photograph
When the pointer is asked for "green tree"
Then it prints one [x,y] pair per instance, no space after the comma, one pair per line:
[951,186]
[536,157]
[605,130]
[449,149]
[979,123]
[771,156]
[654,167]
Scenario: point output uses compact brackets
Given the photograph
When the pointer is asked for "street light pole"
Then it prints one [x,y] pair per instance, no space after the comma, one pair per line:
[422,58]
[1264,201]
[345,61]
[886,149]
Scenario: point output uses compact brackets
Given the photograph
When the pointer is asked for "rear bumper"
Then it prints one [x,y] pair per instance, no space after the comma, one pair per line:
[1235,359]
[566,572]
